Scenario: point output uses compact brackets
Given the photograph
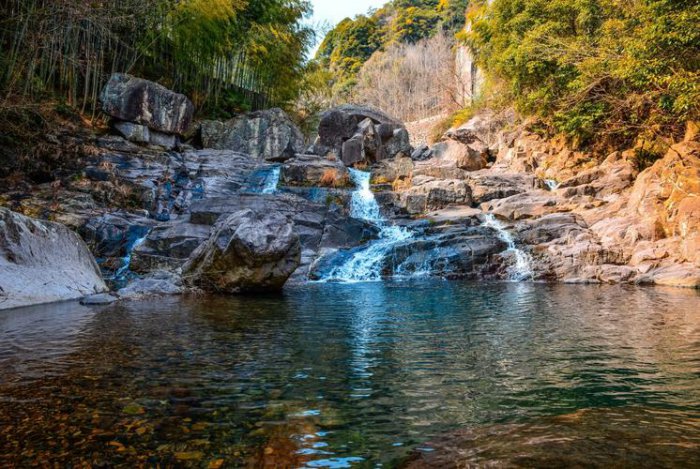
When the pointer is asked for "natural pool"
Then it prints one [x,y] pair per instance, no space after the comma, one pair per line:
[366,374]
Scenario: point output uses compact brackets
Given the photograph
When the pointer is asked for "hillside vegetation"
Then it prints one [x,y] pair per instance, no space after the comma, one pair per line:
[390,30]
[225,54]
[600,71]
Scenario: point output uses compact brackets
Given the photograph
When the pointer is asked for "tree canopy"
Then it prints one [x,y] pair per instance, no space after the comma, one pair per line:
[223,53]
[614,69]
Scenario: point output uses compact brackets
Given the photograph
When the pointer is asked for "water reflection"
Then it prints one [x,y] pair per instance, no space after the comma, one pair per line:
[336,375]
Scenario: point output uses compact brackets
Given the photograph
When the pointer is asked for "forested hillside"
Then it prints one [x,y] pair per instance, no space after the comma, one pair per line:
[397,57]
[600,71]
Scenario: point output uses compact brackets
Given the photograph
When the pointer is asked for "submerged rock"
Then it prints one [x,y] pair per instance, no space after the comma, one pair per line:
[248,251]
[155,284]
[43,262]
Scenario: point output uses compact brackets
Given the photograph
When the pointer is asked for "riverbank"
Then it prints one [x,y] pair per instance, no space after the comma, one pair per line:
[167,207]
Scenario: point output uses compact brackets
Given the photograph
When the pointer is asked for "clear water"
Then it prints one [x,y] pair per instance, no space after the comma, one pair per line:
[358,375]
[366,264]
[521,269]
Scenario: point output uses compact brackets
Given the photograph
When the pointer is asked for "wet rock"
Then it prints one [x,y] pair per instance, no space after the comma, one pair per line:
[168,246]
[109,235]
[43,262]
[155,284]
[264,135]
[98,300]
[144,102]
[248,251]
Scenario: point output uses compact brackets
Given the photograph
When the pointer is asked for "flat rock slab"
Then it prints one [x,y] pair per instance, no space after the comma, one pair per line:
[43,262]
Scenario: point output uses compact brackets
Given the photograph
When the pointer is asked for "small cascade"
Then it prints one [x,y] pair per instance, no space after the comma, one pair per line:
[521,270]
[271,181]
[263,180]
[552,185]
[136,236]
[366,264]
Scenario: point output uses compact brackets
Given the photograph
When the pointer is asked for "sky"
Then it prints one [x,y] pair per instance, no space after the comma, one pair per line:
[334,11]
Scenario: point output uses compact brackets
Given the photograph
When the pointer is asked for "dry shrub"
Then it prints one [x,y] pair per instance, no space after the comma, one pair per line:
[331,178]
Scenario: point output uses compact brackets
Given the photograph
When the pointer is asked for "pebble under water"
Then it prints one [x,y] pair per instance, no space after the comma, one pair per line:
[417,374]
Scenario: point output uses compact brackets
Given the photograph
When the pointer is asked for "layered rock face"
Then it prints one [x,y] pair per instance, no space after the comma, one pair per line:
[248,251]
[43,262]
[360,134]
[146,112]
[264,135]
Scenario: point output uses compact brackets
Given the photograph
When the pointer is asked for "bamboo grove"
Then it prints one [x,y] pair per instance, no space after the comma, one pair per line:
[228,55]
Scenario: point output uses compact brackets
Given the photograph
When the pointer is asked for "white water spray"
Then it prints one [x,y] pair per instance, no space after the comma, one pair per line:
[271,181]
[366,264]
[552,185]
[521,270]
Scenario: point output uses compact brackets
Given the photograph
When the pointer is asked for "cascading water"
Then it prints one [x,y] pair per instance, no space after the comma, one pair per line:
[366,264]
[552,185]
[263,180]
[271,181]
[521,270]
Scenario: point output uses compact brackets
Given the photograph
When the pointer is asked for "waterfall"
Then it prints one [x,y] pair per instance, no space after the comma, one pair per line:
[134,241]
[271,181]
[552,185]
[263,180]
[366,264]
[521,270]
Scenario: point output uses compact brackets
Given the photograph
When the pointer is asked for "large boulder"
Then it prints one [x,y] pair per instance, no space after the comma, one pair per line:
[360,134]
[433,194]
[467,156]
[312,170]
[248,251]
[43,262]
[144,102]
[264,135]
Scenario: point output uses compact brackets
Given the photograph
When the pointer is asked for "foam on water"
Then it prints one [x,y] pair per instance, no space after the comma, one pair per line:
[366,264]
[521,270]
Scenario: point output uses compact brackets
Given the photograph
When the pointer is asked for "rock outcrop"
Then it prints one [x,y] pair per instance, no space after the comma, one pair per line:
[43,262]
[264,135]
[360,134]
[146,112]
[248,251]
[312,170]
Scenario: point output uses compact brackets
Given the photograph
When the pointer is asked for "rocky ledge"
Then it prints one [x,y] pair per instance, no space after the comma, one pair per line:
[247,206]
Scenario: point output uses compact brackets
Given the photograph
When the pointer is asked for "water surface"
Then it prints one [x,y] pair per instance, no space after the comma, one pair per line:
[367,374]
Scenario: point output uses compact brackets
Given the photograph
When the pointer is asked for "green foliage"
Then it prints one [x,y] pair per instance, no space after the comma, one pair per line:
[594,67]
[226,54]
[352,42]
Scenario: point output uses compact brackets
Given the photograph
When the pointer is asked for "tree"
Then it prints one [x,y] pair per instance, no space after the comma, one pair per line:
[611,68]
